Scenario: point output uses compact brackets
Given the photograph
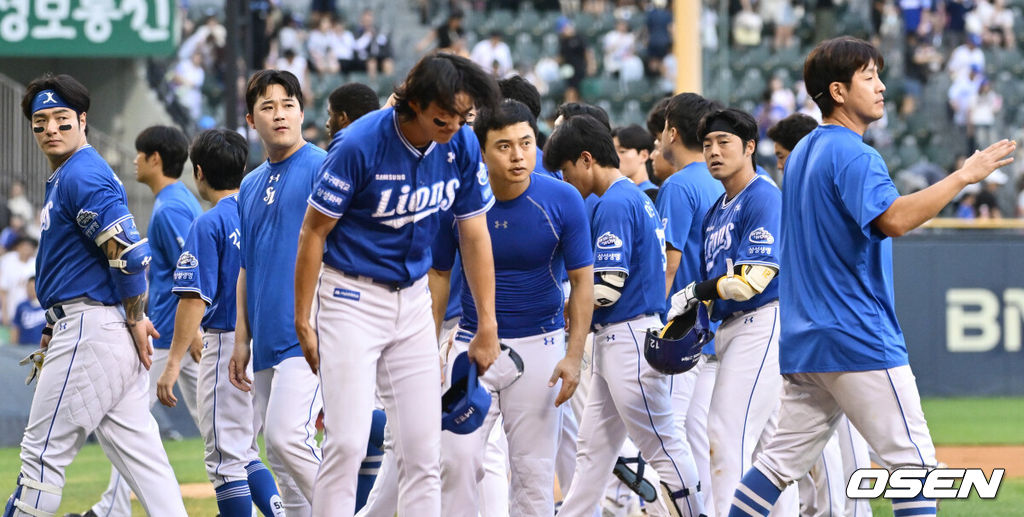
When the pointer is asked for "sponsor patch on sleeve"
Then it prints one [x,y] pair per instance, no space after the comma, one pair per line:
[608,241]
[761,236]
[187,261]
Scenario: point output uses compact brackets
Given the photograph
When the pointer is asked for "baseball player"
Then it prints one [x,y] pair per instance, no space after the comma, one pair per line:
[740,261]
[823,490]
[205,281]
[161,154]
[683,200]
[627,397]
[529,266]
[842,349]
[347,103]
[634,146]
[517,88]
[91,278]
[270,206]
[369,324]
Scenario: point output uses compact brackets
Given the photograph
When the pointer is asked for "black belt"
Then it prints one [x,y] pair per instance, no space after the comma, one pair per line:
[391,286]
[57,311]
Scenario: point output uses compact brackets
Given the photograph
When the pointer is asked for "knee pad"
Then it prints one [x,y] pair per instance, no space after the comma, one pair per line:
[16,506]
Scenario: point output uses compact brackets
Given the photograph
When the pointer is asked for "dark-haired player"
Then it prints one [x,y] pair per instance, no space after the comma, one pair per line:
[362,307]
[347,103]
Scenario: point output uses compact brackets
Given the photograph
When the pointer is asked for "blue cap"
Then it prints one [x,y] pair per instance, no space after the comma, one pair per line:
[562,23]
[466,403]
[47,99]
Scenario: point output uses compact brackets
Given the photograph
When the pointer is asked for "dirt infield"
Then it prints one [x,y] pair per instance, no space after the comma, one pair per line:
[987,457]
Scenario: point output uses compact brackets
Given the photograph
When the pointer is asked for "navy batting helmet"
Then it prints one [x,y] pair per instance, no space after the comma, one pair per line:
[464,406]
[677,347]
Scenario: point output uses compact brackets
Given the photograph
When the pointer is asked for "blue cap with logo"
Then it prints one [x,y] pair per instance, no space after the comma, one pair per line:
[466,403]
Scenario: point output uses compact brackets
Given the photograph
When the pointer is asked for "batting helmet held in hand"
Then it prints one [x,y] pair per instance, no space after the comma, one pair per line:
[677,347]
[464,406]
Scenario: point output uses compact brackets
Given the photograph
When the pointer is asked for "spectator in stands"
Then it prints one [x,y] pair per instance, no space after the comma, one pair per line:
[619,47]
[291,36]
[921,59]
[780,14]
[15,230]
[965,57]
[1020,196]
[210,34]
[373,47]
[996,23]
[965,207]
[319,45]
[188,79]
[18,204]
[343,46]
[634,144]
[29,317]
[297,65]
[981,118]
[956,15]
[16,266]
[574,53]
[960,94]
[746,27]
[915,14]
[986,204]
[493,54]
[657,32]
[449,37]
[347,103]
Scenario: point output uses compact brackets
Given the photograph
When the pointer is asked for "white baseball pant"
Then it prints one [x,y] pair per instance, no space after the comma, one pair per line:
[855,454]
[116,500]
[287,401]
[747,389]
[93,381]
[492,490]
[884,405]
[531,423]
[628,397]
[823,488]
[372,337]
[691,398]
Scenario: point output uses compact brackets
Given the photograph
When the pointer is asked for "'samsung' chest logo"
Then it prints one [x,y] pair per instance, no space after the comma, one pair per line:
[410,206]
[716,242]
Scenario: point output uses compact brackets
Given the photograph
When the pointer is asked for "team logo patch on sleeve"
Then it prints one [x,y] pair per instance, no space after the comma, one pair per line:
[481,174]
[609,240]
[85,218]
[187,261]
[761,236]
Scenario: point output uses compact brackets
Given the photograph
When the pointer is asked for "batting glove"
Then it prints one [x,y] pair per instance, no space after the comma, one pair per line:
[36,358]
[683,301]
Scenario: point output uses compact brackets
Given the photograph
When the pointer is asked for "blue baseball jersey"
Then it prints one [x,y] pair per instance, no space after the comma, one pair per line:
[837,303]
[535,238]
[444,242]
[647,185]
[683,201]
[390,194]
[173,212]
[539,166]
[628,237]
[209,264]
[743,229]
[764,174]
[271,206]
[29,319]
[83,199]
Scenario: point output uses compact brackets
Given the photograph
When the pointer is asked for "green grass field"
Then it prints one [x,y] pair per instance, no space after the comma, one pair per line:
[952,422]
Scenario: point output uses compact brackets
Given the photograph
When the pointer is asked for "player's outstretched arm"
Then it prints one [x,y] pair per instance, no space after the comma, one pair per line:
[186,321]
[312,236]
[478,259]
[910,211]
[439,283]
[139,326]
[239,362]
[581,310]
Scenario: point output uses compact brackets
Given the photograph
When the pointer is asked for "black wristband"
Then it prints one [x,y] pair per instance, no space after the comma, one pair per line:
[48,331]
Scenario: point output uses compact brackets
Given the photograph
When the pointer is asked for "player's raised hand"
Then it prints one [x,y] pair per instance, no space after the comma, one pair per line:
[310,345]
[143,333]
[484,349]
[982,163]
[238,365]
[568,369]
[165,385]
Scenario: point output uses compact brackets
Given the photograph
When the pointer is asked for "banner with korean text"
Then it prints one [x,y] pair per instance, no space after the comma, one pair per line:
[88,28]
